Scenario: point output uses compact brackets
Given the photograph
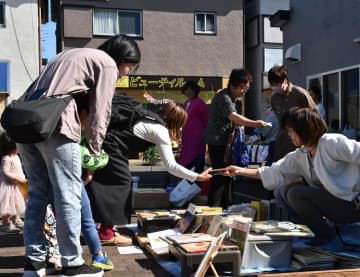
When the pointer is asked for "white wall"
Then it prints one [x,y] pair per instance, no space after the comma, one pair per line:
[20,44]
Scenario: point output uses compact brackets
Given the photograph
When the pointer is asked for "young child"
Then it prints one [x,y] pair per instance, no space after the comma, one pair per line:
[12,203]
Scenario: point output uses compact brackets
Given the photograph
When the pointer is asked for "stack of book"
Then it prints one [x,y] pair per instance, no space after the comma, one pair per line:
[309,258]
[153,221]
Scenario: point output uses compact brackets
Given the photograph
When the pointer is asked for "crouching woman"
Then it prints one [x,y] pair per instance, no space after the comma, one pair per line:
[330,167]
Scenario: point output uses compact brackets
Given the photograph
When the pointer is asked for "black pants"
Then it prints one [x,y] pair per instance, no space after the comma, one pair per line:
[312,204]
[220,193]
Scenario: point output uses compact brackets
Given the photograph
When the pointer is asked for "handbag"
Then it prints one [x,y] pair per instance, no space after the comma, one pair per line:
[183,193]
[29,120]
[229,146]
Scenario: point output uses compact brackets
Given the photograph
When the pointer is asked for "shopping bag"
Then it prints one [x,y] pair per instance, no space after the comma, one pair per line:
[183,193]
[240,155]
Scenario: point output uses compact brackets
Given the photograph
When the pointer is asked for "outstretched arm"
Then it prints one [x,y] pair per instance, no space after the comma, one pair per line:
[233,170]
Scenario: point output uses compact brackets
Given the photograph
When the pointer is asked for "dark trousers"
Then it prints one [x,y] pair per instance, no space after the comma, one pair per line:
[312,204]
[220,193]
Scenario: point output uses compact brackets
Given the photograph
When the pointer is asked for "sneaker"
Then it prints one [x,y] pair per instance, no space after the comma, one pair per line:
[102,262]
[18,223]
[10,227]
[38,269]
[81,271]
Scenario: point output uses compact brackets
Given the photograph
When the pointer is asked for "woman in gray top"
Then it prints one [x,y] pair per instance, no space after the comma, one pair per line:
[223,114]
[56,162]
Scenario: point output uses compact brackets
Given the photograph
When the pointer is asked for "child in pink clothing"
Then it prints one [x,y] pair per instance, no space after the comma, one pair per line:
[12,203]
[193,146]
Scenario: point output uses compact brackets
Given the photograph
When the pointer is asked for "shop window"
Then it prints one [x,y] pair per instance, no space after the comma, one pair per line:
[2,14]
[332,100]
[350,94]
[111,22]
[205,23]
[4,77]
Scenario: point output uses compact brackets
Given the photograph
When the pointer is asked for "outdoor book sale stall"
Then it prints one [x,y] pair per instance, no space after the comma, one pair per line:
[204,239]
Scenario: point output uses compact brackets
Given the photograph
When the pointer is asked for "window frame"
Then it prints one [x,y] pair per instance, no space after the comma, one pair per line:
[270,31]
[340,86]
[2,10]
[196,32]
[117,31]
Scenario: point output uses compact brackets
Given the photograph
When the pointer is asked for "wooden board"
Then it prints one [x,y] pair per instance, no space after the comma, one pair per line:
[354,272]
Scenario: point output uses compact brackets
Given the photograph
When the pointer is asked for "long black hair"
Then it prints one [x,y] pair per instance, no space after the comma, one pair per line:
[123,49]
[7,145]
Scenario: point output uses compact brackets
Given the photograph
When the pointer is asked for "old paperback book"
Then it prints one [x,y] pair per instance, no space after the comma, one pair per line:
[239,232]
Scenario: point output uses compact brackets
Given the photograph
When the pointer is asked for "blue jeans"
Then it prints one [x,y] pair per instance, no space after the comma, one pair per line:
[53,163]
[88,226]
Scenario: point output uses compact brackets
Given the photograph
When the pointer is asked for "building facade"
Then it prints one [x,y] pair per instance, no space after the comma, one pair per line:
[321,47]
[179,40]
[19,51]
[263,50]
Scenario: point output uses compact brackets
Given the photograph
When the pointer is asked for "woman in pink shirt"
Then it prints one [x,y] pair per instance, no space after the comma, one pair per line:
[193,146]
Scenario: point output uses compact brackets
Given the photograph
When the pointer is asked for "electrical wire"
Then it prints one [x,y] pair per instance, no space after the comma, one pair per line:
[18,44]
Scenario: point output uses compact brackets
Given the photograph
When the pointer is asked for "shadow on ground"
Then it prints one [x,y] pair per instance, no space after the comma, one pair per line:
[11,262]
[11,240]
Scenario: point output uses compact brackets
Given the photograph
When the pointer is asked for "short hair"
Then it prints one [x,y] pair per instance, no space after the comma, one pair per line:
[174,116]
[306,122]
[277,75]
[7,145]
[239,76]
[123,49]
[191,85]
[317,92]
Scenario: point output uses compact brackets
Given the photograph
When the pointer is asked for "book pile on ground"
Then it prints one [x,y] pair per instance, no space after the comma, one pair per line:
[281,228]
[152,221]
[310,258]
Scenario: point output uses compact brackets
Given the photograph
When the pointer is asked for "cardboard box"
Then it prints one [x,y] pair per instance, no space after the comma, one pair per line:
[152,198]
[262,251]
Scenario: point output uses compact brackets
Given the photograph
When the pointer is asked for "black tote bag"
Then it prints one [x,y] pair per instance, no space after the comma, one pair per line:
[34,120]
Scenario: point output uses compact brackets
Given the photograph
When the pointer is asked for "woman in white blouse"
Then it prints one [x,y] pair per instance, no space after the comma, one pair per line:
[330,166]
[110,189]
